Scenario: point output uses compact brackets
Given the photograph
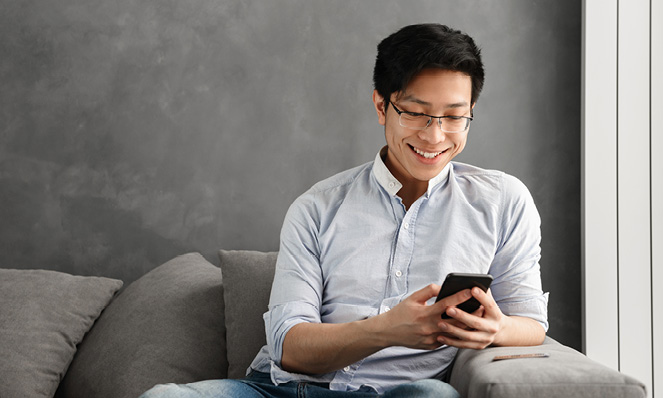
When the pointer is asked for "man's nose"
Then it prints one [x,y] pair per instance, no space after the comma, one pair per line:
[433,133]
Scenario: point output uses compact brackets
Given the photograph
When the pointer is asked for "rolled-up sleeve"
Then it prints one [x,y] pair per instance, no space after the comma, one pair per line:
[517,284]
[297,287]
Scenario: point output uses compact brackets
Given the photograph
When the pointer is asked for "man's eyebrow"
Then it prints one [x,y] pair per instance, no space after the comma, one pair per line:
[462,104]
[412,98]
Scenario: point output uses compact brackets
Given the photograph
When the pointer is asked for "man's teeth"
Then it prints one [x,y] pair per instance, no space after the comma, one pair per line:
[427,155]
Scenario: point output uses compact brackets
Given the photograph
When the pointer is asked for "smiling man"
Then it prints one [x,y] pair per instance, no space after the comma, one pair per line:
[361,252]
[419,146]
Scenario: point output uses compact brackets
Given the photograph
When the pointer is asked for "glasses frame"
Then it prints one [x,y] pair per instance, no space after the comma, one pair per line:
[468,119]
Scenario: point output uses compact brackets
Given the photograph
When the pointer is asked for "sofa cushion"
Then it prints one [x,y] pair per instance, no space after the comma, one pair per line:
[248,277]
[43,316]
[166,327]
[565,373]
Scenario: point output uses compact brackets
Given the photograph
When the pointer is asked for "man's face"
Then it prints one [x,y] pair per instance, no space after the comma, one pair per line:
[422,154]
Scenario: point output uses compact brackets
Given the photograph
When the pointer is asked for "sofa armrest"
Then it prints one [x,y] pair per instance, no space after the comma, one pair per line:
[565,373]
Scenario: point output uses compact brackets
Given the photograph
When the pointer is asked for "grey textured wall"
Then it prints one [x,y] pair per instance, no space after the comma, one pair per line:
[132,131]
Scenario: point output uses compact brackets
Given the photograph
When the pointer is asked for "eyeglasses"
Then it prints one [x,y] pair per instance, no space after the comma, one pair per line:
[421,121]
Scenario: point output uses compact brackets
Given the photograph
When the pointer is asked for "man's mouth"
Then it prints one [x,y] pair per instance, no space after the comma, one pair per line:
[427,155]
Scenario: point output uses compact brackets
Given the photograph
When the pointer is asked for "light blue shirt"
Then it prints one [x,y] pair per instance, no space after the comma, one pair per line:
[350,250]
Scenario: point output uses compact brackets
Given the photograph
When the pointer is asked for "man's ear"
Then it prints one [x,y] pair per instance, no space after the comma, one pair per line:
[380,108]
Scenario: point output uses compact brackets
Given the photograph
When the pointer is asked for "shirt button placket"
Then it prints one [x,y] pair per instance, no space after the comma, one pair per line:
[406,247]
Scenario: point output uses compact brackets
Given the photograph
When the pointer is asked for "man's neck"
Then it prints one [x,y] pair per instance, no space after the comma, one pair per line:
[412,188]
[409,197]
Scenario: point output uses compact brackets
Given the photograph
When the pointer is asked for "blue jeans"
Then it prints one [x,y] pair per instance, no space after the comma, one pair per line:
[259,385]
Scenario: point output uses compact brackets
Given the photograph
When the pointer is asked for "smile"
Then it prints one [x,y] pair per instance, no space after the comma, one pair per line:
[427,155]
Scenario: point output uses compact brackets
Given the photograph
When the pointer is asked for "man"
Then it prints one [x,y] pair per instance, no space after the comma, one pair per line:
[350,312]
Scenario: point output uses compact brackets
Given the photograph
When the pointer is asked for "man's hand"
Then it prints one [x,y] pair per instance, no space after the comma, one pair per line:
[488,326]
[414,324]
[477,330]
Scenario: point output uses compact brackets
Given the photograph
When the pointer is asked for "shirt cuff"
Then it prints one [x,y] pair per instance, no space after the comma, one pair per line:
[535,308]
[281,318]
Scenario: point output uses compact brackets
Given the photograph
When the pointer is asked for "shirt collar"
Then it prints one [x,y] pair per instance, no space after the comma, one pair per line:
[392,185]
[384,176]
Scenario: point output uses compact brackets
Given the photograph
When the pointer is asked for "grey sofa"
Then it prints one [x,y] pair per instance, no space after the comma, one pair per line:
[186,320]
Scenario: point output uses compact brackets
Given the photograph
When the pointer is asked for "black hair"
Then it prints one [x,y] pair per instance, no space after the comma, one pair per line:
[402,55]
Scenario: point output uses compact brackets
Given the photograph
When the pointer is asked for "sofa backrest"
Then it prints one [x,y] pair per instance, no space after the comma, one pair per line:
[247,281]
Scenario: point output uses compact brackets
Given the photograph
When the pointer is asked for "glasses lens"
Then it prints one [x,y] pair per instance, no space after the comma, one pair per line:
[418,122]
[453,125]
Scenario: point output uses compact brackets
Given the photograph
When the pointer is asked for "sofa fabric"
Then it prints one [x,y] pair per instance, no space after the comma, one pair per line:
[166,327]
[43,316]
[173,326]
[247,277]
[565,373]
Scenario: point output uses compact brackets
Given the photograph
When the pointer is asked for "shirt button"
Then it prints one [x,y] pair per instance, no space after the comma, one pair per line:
[392,184]
[386,309]
[399,273]
[406,225]
[346,369]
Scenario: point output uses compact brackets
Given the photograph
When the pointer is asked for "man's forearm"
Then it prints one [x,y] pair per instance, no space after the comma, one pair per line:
[316,348]
[520,331]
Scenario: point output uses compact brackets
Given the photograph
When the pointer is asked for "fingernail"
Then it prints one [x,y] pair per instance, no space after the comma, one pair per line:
[451,311]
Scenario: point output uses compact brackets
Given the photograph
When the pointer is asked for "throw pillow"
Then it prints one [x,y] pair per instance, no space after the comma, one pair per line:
[166,327]
[43,316]
[248,277]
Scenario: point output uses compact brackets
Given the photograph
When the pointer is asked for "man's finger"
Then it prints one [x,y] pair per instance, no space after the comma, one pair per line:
[485,299]
[425,294]
[454,299]
[470,320]
[478,313]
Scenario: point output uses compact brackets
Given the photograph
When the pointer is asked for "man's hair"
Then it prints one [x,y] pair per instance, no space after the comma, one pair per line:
[402,55]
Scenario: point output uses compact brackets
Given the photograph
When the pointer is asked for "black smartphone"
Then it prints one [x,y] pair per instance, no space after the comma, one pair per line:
[455,282]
